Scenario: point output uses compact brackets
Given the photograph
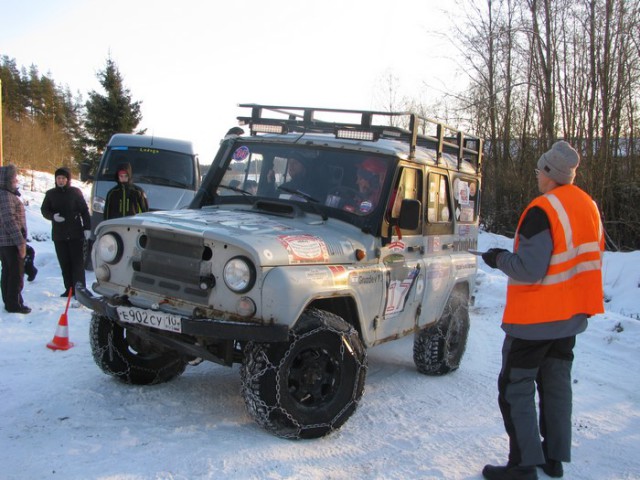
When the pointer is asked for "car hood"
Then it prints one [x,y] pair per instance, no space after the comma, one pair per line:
[160,197]
[273,240]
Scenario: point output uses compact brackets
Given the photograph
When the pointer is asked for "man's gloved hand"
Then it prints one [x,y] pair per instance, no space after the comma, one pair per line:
[87,234]
[490,257]
[58,218]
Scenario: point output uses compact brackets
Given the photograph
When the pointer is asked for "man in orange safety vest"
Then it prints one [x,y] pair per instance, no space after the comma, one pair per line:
[555,285]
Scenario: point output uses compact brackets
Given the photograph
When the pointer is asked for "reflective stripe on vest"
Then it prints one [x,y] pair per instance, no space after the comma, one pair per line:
[573,281]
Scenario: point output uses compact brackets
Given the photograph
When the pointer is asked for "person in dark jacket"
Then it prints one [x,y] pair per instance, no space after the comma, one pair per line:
[125,198]
[13,241]
[67,209]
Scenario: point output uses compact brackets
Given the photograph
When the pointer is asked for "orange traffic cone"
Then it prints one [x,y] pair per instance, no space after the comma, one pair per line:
[61,338]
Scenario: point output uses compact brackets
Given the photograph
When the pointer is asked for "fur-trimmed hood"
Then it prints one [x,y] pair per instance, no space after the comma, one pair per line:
[7,174]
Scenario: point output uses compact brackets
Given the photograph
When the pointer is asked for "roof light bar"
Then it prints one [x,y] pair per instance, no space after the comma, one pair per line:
[391,133]
[350,134]
[267,128]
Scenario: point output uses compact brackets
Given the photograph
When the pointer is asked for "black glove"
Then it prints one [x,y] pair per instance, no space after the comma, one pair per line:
[490,257]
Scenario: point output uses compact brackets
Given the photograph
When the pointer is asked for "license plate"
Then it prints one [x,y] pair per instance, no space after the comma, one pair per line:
[150,318]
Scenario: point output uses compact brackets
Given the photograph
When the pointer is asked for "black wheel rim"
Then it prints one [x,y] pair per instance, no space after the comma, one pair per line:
[137,346]
[313,377]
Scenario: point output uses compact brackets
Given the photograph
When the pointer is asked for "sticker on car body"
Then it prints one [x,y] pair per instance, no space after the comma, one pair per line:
[304,248]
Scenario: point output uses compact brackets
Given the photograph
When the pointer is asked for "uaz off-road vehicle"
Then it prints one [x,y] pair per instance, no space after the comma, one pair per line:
[309,241]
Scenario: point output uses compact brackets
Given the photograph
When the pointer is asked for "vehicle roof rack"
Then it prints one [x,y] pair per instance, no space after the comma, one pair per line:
[365,126]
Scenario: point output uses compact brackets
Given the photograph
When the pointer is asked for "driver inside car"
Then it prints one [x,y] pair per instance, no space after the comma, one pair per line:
[369,178]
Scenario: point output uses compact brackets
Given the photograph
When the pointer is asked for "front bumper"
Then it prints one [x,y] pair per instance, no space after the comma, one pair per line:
[207,327]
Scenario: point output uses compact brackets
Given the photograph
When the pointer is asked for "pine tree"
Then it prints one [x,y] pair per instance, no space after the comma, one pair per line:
[112,113]
[14,95]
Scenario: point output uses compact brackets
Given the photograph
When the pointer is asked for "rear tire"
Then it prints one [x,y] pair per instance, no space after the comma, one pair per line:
[309,386]
[122,354]
[438,348]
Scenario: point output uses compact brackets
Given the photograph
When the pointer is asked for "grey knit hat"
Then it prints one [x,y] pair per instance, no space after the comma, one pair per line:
[560,163]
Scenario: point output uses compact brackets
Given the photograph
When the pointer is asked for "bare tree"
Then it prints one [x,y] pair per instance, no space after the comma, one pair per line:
[546,69]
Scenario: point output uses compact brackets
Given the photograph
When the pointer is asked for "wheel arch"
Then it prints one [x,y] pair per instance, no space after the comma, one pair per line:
[343,306]
[461,288]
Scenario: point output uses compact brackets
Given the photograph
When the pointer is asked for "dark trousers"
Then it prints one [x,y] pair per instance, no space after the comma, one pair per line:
[71,259]
[11,279]
[545,364]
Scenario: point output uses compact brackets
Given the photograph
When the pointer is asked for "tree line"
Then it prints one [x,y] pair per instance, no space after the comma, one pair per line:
[539,71]
[46,126]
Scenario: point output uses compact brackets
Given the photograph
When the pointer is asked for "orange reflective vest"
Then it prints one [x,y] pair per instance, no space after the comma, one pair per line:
[573,282]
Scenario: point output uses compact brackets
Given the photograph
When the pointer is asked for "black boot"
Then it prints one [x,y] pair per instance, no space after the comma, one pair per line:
[31,274]
[29,264]
[22,309]
[509,472]
[553,468]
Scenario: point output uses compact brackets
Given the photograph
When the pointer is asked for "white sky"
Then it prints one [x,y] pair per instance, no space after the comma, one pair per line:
[192,62]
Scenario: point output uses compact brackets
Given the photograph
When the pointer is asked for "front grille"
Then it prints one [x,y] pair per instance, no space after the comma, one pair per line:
[334,248]
[170,265]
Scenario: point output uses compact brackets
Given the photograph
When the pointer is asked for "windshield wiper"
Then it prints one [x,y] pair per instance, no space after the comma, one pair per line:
[312,201]
[235,189]
[300,193]
[153,180]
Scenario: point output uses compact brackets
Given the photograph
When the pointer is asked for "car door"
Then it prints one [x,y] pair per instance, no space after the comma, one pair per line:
[402,261]
[439,245]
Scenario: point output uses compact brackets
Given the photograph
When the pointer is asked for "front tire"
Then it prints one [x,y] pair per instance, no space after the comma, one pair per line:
[438,348]
[122,354]
[309,386]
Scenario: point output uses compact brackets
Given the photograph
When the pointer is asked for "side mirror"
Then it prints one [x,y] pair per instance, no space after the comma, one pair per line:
[85,168]
[409,214]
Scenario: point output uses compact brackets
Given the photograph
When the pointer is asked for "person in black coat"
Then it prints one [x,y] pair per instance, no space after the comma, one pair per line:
[67,209]
[125,198]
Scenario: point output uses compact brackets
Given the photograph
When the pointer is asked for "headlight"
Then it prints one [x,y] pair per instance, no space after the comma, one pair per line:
[98,205]
[109,248]
[239,274]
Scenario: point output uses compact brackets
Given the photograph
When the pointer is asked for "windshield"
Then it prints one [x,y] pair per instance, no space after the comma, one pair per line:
[349,181]
[151,166]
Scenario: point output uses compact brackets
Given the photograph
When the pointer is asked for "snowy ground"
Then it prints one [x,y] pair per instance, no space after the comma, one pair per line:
[61,417]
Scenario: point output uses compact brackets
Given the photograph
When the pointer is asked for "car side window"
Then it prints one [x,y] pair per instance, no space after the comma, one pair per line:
[438,211]
[465,195]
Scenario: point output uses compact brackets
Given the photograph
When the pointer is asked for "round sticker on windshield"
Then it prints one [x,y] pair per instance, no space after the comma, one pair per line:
[366,207]
[241,153]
